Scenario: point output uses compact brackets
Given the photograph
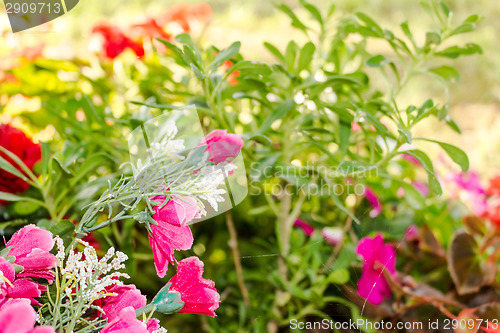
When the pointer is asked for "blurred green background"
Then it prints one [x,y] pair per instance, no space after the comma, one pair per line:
[474,98]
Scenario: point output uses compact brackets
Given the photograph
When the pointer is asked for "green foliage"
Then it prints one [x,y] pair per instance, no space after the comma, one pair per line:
[314,118]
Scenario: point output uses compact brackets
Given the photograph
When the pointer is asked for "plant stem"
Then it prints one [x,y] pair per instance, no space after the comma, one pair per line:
[233,243]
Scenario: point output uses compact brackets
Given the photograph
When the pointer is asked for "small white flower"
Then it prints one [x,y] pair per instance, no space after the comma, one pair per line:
[211,178]
[160,330]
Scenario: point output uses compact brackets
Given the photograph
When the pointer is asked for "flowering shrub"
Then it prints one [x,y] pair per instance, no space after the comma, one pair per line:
[348,217]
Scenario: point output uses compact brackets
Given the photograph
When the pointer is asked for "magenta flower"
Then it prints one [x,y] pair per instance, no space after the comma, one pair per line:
[177,211]
[374,202]
[17,316]
[222,146]
[378,257]
[332,235]
[126,322]
[166,238]
[171,233]
[127,295]
[467,186]
[153,324]
[31,246]
[11,287]
[306,228]
[198,294]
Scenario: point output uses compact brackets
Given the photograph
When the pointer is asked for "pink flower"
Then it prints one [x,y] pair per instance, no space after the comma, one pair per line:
[374,202]
[17,316]
[410,159]
[198,294]
[421,187]
[306,228]
[332,235]
[467,186]
[126,295]
[177,211]
[221,145]
[10,287]
[411,233]
[126,322]
[171,233]
[378,257]
[31,246]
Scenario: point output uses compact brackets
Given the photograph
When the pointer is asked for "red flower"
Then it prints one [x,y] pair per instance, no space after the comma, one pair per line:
[23,147]
[232,78]
[114,42]
[494,188]
[198,294]
[184,14]
[149,31]
[493,213]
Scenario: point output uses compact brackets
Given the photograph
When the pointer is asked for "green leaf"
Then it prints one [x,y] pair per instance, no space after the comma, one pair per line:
[185,39]
[407,32]
[456,154]
[45,158]
[6,166]
[432,37]
[370,24]
[306,56]
[274,51]
[338,203]
[457,51]
[313,11]
[290,55]
[262,139]
[446,72]
[64,229]
[345,134]
[12,197]
[224,55]
[426,162]
[444,8]
[295,20]
[339,276]
[177,52]
[197,72]
[278,113]
[377,61]
[405,134]
[468,270]
[18,162]
[155,106]
[463,28]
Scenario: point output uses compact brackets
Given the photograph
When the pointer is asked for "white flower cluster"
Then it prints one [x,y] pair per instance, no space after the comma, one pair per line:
[211,177]
[88,276]
[168,147]
[161,330]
